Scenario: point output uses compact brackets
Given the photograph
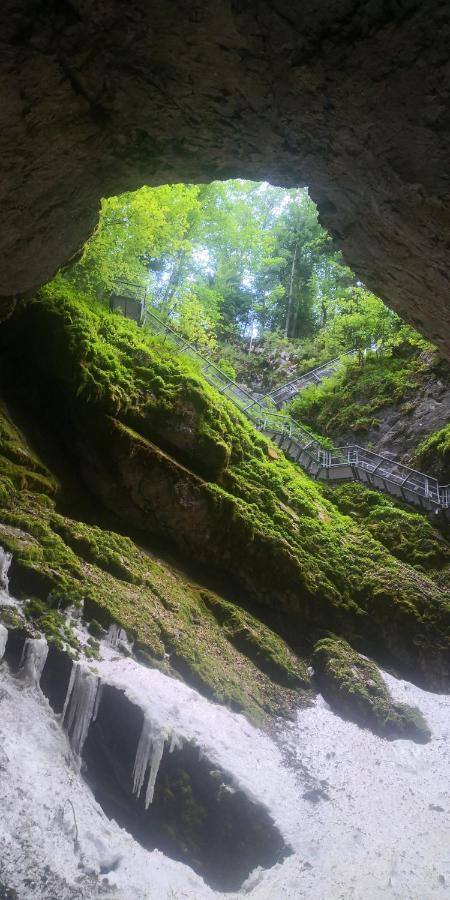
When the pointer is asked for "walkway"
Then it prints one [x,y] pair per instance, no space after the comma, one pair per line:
[349,463]
[287,391]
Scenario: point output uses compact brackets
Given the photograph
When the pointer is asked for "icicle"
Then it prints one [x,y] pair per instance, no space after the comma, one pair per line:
[116,635]
[33,658]
[176,742]
[5,562]
[79,705]
[97,701]
[3,639]
[149,754]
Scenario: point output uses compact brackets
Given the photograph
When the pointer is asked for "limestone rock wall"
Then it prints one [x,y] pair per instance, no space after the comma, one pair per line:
[348,97]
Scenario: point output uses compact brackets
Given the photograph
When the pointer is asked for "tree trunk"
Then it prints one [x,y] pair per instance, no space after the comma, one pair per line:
[291,288]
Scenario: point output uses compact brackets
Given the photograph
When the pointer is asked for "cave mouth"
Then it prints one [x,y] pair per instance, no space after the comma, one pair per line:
[233,265]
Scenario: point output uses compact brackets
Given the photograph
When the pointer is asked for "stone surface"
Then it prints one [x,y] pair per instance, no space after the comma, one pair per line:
[349,98]
[405,424]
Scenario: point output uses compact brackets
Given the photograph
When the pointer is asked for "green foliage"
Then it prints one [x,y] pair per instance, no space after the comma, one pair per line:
[227,259]
[227,369]
[433,454]
[134,229]
[355,688]
[350,399]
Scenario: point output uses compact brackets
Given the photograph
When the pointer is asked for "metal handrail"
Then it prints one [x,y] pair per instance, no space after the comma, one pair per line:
[352,455]
[310,373]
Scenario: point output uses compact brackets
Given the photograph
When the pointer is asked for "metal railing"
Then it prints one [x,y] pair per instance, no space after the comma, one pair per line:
[314,376]
[351,462]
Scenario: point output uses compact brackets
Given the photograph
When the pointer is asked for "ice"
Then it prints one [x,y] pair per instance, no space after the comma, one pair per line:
[3,640]
[383,831]
[79,705]
[55,840]
[5,562]
[33,659]
[116,636]
[149,754]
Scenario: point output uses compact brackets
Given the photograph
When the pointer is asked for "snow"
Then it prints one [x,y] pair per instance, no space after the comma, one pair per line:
[380,829]
[55,841]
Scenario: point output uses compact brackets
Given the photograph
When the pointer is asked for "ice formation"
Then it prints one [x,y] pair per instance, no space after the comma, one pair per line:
[381,830]
[33,659]
[79,705]
[5,562]
[116,635]
[148,757]
[3,639]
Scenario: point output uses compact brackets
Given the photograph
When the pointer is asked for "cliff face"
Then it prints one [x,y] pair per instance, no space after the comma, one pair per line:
[392,404]
[349,99]
[168,457]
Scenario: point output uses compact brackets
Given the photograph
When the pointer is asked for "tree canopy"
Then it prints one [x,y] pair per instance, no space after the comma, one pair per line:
[231,260]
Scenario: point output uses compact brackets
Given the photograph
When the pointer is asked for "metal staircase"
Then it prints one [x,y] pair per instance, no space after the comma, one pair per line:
[350,463]
[287,391]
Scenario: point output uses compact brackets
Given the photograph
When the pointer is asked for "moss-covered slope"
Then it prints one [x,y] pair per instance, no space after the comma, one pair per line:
[170,456]
[59,562]
[407,534]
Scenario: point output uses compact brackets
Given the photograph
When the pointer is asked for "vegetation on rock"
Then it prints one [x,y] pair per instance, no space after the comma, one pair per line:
[408,535]
[351,399]
[60,562]
[434,453]
[166,453]
[355,688]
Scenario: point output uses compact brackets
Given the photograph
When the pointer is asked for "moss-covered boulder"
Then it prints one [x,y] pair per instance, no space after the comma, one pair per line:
[165,453]
[354,688]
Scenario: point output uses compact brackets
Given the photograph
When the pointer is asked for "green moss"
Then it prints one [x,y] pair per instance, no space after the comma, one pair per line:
[407,535]
[163,613]
[349,400]
[52,624]
[355,688]
[433,454]
[176,459]
[269,652]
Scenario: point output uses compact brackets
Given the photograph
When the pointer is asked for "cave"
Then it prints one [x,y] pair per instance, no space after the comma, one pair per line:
[197,814]
[350,99]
